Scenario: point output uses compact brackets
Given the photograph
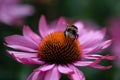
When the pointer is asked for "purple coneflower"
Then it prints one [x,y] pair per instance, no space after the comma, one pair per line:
[114,31]
[13,13]
[57,53]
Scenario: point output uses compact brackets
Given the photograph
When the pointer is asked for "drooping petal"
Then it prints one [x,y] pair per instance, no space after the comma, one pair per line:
[108,57]
[101,67]
[37,75]
[92,56]
[96,64]
[31,61]
[17,47]
[25,58]
[65,69]
[44,71]
[52,74]
[61,24]
[48,74]
[106,44]
[29,34]
[77,75]
[33,76]
[83,63]
[20,40]
[96,56]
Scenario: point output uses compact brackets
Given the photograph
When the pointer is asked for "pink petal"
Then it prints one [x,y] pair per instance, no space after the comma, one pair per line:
[106,44]
[4,17]
[39,75]
[61,24]
[11,2]
[116,50]
[80,27]
[29,34]
[95,64]
[20,40]
[77,75]
[43,26]
[96,56]
[23,54]
[83,63]
[91,38]
[26,58]
[20,11]
[64,69]
[108,57]
[101,67]
[49,74]
[97,47]
[94,49]
[13,13]
[45,67]
[90,50]
[17,47]
[31,61]
[92,56]
[52,74]
[33,76]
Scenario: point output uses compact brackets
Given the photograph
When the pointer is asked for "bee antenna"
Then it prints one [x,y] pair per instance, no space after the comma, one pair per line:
[65,24]
[68,25]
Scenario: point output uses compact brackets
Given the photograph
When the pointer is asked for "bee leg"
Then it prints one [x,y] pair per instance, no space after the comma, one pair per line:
[73,41]
[65,33]
[77,36]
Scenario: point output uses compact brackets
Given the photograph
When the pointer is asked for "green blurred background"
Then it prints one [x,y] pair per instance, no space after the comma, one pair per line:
[96,11]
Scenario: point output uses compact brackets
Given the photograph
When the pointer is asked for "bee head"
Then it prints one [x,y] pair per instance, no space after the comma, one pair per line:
[72,29]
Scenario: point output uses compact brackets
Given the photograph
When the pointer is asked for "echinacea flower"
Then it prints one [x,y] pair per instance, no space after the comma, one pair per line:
[114,31]
[12,12]
[56,53]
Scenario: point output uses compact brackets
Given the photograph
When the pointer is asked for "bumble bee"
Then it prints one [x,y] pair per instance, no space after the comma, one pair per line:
[71,31]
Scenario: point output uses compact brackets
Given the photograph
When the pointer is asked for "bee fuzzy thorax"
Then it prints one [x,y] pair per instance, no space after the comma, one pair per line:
[71,35]
[71,31]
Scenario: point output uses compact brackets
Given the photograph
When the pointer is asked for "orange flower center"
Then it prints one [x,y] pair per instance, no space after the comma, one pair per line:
[59,49]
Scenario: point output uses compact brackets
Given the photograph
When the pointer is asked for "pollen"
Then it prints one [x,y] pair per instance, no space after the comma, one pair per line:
[59,49]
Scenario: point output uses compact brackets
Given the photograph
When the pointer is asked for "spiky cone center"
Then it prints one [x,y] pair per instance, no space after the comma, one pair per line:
[59,49]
